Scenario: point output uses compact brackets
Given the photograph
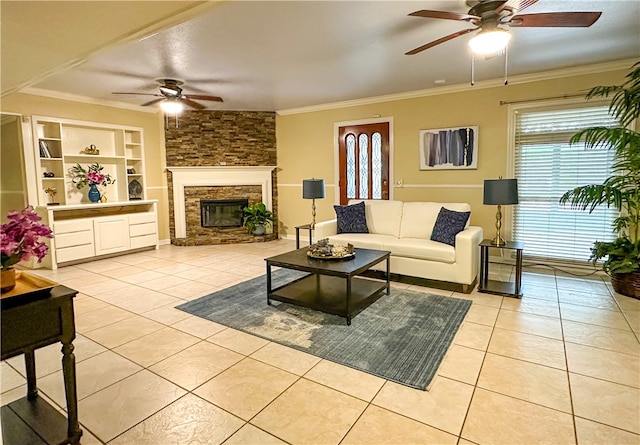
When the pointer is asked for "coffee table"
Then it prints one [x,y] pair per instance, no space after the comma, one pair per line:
[332,286]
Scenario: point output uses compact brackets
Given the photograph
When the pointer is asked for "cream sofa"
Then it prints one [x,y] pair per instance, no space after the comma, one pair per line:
[404,228]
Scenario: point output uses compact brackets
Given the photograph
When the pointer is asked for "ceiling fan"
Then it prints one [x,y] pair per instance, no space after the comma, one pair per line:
[171,98]
[494,18]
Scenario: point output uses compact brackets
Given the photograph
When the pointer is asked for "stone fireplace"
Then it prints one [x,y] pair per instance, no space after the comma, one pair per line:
[217,156]
[191,186]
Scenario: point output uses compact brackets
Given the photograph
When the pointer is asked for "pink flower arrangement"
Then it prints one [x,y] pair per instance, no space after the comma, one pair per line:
[21,237]
[91,176]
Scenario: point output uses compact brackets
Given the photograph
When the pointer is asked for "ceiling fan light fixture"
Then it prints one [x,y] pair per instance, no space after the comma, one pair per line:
[171,106]
[490,42]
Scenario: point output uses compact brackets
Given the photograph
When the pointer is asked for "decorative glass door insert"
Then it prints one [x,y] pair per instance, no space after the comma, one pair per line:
[364,162]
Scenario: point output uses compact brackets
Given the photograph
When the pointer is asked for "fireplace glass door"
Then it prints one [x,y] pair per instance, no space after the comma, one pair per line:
[222,212]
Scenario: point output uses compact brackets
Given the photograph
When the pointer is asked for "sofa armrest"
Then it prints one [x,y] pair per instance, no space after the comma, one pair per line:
[468,251]
[325,229]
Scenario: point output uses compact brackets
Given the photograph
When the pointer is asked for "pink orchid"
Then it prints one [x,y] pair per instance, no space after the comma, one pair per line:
[21,237]
[91,176]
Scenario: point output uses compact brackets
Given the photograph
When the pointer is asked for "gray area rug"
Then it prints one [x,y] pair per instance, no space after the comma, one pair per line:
[402,337]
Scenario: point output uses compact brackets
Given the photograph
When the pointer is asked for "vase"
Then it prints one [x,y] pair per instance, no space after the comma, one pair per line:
[7,279]
[94,194]
[259,231]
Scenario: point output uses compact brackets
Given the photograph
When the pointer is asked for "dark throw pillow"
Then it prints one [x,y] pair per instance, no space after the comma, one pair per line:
[448,225]
[351,219]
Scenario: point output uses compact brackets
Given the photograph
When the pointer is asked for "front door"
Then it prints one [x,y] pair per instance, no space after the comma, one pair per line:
[364,161]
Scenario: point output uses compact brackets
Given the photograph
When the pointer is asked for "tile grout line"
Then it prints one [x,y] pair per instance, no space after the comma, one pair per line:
[566,362]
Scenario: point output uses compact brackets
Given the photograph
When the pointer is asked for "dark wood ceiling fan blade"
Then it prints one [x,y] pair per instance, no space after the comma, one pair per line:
[439,41]
[154,101]
[140,94]
[191,103]
[517,5]
[555,20]
[444,15]
[202,97]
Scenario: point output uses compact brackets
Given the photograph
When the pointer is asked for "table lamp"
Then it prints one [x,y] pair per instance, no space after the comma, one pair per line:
[500,192]
[313,189]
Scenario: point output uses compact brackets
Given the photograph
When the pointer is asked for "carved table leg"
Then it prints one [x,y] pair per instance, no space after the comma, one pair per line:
[69,371]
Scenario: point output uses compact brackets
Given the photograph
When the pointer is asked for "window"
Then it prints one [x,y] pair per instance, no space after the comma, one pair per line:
[546,166]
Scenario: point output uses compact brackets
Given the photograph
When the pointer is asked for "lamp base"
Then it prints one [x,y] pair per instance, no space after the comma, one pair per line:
[498,241]
[313,213]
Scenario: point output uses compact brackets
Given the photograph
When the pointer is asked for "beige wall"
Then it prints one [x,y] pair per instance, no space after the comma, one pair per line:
[152,123]
[305,143]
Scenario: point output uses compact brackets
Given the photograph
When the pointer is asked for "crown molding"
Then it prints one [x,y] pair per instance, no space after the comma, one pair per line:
[492,83]
[87,100]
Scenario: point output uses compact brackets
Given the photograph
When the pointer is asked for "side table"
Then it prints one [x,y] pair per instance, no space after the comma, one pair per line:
[303,227]
[507,289]
[27,326]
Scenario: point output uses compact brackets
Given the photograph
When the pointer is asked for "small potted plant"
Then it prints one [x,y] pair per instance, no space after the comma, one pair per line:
[21,241]
[256,217]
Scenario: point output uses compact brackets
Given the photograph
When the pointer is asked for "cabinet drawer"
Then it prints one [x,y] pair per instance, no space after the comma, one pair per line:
[142,218]
[74,239]
[74,253]
[143,241]
[142,229]
[77,225]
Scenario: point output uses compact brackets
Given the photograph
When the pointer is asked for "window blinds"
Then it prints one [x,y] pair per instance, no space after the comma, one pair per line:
[546,166]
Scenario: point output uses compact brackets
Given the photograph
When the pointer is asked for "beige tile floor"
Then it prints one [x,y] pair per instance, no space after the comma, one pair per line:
[560,366]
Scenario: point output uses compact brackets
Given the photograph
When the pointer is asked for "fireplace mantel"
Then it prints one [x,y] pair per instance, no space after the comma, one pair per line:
[216,176]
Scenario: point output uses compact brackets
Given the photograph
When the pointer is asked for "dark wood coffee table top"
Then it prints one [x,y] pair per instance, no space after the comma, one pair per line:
[299,260]
[332,285]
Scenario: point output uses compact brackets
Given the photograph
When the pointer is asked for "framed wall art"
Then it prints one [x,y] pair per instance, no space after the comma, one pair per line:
[449,148]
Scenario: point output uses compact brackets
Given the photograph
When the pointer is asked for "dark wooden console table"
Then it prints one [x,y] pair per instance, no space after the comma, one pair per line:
[507,289]
[27,325]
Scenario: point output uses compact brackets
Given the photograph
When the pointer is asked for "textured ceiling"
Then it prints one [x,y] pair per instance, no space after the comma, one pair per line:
[270,55]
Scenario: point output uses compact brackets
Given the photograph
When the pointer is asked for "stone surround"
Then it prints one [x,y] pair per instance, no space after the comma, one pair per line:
[223,140]
[217,235]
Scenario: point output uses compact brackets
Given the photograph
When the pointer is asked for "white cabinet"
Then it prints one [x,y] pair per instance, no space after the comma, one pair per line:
[111,234]
[59,144]
[74,239]
[89,231]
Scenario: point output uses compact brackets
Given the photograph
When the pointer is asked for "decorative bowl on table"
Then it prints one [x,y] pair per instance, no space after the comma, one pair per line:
[323,250]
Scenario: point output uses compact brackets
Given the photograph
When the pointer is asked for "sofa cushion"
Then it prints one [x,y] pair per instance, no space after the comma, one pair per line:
[448,225]
[351,218]
[383,216]
[362,240]
[419,218]
[421,249]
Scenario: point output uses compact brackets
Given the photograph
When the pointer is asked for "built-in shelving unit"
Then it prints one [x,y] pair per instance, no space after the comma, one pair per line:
[125,222]
[60,144]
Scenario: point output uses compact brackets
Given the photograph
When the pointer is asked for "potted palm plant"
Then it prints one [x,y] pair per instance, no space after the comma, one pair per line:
[256,217]
[622,189]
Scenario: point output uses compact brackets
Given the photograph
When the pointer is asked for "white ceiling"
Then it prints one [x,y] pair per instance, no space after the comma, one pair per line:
[275,55]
